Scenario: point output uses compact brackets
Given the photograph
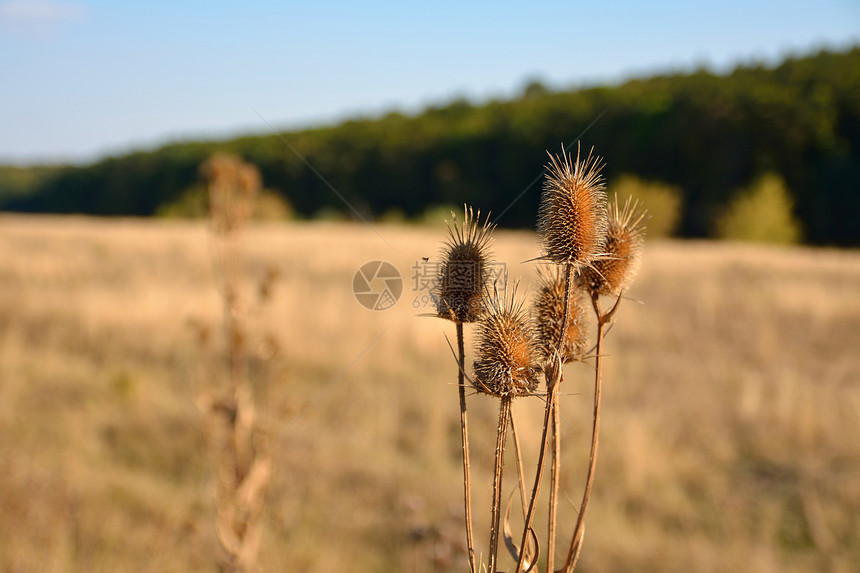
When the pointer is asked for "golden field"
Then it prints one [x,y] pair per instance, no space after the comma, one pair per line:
[731,417]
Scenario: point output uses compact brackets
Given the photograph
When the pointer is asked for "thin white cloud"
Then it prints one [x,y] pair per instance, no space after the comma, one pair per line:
[38,16]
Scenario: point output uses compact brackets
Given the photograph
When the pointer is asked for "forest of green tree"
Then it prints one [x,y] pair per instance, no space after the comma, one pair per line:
[707,135]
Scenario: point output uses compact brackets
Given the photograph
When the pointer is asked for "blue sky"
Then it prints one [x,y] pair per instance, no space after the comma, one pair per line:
[82,79]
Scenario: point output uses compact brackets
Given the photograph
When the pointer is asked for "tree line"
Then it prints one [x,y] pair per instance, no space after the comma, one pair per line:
[707,135]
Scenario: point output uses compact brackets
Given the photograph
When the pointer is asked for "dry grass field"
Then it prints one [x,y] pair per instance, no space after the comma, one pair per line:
[731,416]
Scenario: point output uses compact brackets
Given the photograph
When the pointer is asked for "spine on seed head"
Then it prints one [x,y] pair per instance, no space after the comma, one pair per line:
[506,360]
[464,273]
[549,316]
[622,247]
[572,215]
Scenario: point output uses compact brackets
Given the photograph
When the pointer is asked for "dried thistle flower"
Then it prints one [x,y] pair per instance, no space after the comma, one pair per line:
[549,315]
[233,185]
[572,215]
[622,246]
[464,272]
[506,362]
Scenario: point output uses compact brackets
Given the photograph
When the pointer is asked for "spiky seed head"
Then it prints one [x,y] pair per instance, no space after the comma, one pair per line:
[233,185]
[549,316]
[505,362]
[572,215]
[622,246]
[465,269]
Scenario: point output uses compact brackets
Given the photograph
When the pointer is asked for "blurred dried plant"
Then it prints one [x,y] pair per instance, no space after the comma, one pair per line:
[238,441]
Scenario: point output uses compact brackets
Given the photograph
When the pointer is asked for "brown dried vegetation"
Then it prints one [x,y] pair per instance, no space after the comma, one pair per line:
[548,314]
[730,450]
[572,215]
[463,271]
[506,361]
[622,248]
[242,458]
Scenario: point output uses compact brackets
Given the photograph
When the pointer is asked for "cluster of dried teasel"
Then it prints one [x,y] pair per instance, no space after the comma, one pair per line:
[240,451]
[590,248]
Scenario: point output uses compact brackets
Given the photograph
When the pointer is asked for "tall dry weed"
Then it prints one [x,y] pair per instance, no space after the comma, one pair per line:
[241,455]
[591,251]
[463,278]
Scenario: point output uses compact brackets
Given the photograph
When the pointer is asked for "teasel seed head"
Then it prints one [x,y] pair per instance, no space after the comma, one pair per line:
[465,269]
[549,316]
[233,185]
[622,246]
[572,215]
[506,360]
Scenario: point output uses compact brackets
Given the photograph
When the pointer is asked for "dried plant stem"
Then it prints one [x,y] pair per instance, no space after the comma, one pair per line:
[554,483]
[521,483]
[553,379]
[504,414]
[521,478]
[243,485]
[464,432]
[243,471]
[568,280]
[536,488]
[579,530]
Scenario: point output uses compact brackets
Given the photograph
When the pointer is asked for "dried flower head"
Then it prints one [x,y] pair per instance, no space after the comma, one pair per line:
[506,362]
[464,272]
[233,185]
[625,234]
[572,215]
[549,315]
